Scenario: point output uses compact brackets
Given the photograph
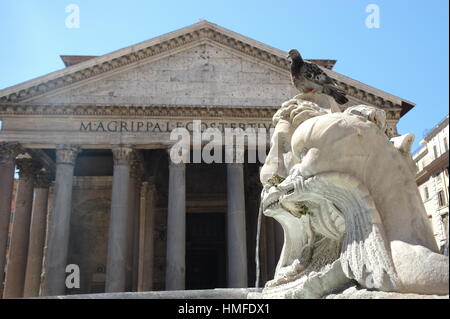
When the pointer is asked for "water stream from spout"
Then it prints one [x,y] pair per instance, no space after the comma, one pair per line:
[258,236]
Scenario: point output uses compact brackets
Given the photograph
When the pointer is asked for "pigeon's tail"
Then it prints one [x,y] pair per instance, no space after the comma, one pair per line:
[336,93]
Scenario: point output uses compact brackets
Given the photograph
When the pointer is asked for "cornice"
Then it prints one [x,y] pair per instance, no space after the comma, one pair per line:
[205,32]
[436,166]
[438,128]
[367,97]
[152,110]
[137,110]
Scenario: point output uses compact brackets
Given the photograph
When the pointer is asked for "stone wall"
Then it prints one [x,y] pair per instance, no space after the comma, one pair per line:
[89,230]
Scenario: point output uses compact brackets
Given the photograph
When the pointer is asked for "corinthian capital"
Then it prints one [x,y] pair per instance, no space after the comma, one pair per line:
[42,179]
[27,166]
[122,155]
[67,154]
[9,151]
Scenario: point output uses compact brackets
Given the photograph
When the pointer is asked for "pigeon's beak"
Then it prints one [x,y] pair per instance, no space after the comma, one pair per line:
[288,56]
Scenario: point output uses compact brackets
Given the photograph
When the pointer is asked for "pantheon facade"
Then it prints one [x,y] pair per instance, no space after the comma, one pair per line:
[87,183]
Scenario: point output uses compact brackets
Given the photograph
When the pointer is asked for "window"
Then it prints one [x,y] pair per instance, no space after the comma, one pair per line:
[445,144]
[444,218]
[427,194]
[437,178]
[435,151]
[441,198]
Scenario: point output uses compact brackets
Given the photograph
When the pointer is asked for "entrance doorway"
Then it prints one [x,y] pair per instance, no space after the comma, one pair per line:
[205,251]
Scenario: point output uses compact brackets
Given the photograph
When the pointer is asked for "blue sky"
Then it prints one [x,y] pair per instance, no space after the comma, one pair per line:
[406,56]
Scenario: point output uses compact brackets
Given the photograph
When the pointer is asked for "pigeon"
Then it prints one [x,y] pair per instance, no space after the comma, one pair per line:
[310,78]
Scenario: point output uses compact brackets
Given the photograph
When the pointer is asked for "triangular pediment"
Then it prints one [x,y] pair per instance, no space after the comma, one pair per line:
[148,54]
[205,74]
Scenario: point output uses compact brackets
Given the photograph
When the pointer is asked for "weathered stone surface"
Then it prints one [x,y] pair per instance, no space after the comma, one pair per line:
[146,235]
[59,223]
[67,154]
[236,230]
[118,222]
[232,293]
[8,152]
[205,74]
[176,228]
[37,236]
[90,219]
[17,259]
[355,293]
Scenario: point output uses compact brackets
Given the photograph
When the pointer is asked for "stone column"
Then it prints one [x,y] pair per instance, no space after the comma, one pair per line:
[17,256]
[131,216]
[136,228]
[59,225]
[237,245]
[133,223]
[146,233]
[8,152]
[118,222]
[142,248]
[176,228]
[37,234]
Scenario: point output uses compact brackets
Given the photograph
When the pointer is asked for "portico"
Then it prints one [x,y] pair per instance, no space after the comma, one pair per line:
[128,195]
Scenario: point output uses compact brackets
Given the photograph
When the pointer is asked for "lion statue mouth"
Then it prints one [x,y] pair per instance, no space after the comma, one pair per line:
[325,182]
[314,213]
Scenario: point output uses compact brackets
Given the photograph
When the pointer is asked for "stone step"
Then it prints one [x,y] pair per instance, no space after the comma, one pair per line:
[220,293]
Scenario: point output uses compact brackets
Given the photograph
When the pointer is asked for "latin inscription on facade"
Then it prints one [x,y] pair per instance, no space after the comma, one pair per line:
[163,126]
